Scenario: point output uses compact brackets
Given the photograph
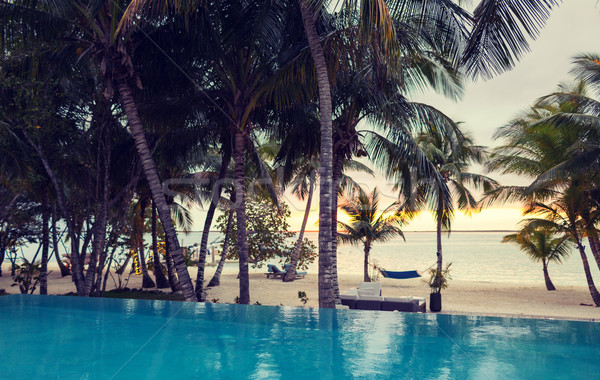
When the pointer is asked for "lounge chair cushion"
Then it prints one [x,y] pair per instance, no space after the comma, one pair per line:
[400,304]
[369,302]
[373,287]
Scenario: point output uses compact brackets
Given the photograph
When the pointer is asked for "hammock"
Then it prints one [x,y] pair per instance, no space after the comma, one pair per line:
[400,275]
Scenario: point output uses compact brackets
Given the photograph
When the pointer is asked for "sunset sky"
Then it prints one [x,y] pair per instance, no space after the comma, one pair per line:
[573,28]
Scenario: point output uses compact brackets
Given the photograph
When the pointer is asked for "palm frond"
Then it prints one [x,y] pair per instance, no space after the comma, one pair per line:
[499,36]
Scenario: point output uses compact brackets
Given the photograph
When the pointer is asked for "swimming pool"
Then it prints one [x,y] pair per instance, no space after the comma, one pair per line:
[55,337]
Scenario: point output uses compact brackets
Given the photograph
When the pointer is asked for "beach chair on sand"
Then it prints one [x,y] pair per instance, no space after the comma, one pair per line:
[298,274]
[274,272]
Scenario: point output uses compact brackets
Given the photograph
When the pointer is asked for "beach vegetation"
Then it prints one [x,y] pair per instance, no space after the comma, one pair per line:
[452,156]
[369,225]
[303,297]
[268,235]
[438,279]
[555,144]
[27,276]
[542,244]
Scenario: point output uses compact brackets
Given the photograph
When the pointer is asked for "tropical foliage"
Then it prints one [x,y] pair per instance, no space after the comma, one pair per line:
[369,225]
[541,244]
[116,112]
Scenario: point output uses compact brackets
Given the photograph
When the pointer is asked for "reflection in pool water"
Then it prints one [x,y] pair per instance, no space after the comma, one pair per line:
[75,338]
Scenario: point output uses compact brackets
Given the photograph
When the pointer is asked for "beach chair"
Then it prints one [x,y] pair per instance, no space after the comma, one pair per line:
[274,272]
[407,304]
[369,302]
[369,288]
[349,300]
[298,274]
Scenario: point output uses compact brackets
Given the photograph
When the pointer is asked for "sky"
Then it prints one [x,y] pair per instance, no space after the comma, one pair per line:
[573,28]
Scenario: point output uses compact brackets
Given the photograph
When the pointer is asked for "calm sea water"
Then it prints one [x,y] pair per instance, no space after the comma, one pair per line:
[53,337]
[475,256]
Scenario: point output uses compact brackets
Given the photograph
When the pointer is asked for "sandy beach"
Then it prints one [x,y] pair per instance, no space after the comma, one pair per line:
[461,297]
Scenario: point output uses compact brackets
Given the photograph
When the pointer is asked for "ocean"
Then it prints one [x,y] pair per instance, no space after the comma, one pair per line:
[475,256]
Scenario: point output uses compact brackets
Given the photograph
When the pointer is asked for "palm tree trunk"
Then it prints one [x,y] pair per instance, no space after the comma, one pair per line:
[594,245]
[161,280]
[291,273]
[588,274]
[439,238]
[216,279]
[326,291]
[102,287]
[147,281]
[171,273]
[45,242]
[240,208]
[225,159]
[76,262]
[151,174]
[97,247]
[338,167]
[366,263]
[2,253]
[549,284]
[100,224]
[64,271]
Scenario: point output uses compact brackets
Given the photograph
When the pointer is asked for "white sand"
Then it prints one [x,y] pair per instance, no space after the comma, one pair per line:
[461,297]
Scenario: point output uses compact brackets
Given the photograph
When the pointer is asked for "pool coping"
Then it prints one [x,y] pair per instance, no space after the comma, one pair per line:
[526,316]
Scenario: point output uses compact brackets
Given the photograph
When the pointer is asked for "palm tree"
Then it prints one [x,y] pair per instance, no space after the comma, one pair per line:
[239,72]
[554,143]
[563,215]
[216,279]
[541,244]
[94,34]
[451,158]
[495,43]
[575,115]
[368,225]
[303,186]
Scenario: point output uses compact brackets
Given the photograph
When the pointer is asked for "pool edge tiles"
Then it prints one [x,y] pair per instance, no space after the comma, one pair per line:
[120,305]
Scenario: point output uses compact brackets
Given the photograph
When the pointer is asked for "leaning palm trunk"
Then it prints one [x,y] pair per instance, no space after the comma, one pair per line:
[291,273]
[147,282]
[594,245]
[216,279]
[326,292]
[588,274]
[97,247]
[240,208]
[200,294]
[99,227]
[45,242]
[161,280]
[171,273]
[549,284]
[154,183]
[76,263]
[64,271]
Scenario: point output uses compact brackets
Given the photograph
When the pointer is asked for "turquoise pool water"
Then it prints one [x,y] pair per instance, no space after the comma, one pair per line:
[56,337]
